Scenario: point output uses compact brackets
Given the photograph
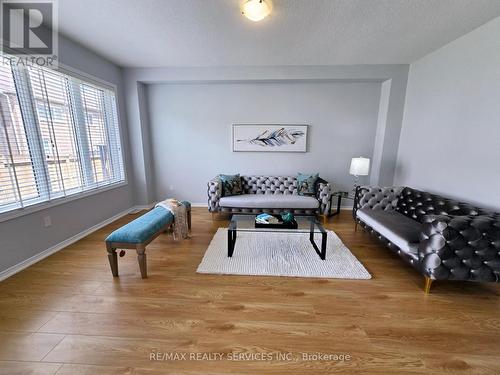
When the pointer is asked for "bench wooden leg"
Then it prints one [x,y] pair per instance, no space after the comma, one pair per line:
[141,258]
[189,219]
[113,259]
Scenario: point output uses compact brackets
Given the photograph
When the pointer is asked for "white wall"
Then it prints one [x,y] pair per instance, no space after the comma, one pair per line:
[24,237]
[190,130]
[450,140]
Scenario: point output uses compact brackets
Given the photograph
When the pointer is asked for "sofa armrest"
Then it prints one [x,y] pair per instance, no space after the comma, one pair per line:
[460,247]
[376,197]
[214,194]
[323,194]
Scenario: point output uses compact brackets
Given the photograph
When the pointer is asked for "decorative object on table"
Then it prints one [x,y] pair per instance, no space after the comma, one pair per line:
[306,183]
[359,167]
[231,185]
[266,219]
[280,254]
[270,138]
[274,221]
[339,195]
[287,217]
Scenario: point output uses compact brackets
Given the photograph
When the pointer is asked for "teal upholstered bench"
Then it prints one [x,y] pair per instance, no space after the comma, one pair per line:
[139,233]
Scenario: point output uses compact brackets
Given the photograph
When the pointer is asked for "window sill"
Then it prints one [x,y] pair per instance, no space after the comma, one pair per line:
[9,215]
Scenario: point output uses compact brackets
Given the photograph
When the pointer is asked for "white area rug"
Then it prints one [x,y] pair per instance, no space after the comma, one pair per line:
[281,254]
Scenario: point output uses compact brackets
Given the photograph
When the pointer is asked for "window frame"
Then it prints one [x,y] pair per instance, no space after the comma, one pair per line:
[45,204]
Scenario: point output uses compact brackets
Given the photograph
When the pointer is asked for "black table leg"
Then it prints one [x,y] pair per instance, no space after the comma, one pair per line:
[231,241]
[323,245]
[322,252]
[339,201]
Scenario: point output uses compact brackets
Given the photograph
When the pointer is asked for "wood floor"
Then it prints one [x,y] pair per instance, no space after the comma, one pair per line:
[67,315]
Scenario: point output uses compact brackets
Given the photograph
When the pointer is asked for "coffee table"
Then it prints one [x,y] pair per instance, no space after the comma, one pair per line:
[306,224]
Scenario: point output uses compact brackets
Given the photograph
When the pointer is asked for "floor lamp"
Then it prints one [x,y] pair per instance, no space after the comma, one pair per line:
[359,167]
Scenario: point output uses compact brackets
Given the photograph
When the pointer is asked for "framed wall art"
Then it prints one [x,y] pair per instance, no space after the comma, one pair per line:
[269,138]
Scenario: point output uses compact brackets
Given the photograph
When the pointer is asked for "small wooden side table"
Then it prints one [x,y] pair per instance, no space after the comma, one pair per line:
[339,195]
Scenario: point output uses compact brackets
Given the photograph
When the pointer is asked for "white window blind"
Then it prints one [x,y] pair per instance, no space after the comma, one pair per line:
[59,136]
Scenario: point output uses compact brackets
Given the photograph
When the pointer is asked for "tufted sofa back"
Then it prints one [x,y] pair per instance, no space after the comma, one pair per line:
[415,204]
[269,184]
[376,197]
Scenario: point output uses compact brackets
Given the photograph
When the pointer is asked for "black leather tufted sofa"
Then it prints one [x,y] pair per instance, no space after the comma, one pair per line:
[441,238]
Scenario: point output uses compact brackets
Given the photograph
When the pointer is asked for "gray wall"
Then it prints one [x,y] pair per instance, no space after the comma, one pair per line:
[190,130]
[25,236]
[450,140]
[388,127]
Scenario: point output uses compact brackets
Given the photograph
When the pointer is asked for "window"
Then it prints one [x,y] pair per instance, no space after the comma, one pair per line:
[59,136]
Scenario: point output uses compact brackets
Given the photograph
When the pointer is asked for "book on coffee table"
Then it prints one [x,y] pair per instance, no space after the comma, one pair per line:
[273,221]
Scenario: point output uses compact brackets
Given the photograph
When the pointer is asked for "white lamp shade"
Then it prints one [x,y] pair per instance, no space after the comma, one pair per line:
[359,166]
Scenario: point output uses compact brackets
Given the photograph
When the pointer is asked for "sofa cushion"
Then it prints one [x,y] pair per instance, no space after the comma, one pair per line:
[397,228]
[269,201]
[142,228]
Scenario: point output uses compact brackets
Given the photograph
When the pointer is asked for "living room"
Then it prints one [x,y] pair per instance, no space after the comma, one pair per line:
[249,186]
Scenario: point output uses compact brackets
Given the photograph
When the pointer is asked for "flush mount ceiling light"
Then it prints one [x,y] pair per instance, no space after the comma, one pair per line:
[256,10]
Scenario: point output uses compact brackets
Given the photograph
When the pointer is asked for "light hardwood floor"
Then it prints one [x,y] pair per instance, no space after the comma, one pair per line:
[67,315]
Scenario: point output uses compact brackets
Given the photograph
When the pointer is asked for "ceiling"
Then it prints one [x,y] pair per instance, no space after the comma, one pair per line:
[149,33]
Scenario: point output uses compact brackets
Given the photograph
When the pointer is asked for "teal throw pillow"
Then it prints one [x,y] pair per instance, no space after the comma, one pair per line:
[231,185]
[306,183]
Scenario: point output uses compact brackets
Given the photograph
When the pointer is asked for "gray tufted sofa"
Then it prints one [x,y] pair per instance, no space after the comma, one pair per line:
[272,194]
[443,239]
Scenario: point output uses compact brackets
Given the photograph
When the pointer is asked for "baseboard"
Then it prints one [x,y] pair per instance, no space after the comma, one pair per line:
[205,205]
[140,208]
[61,245]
